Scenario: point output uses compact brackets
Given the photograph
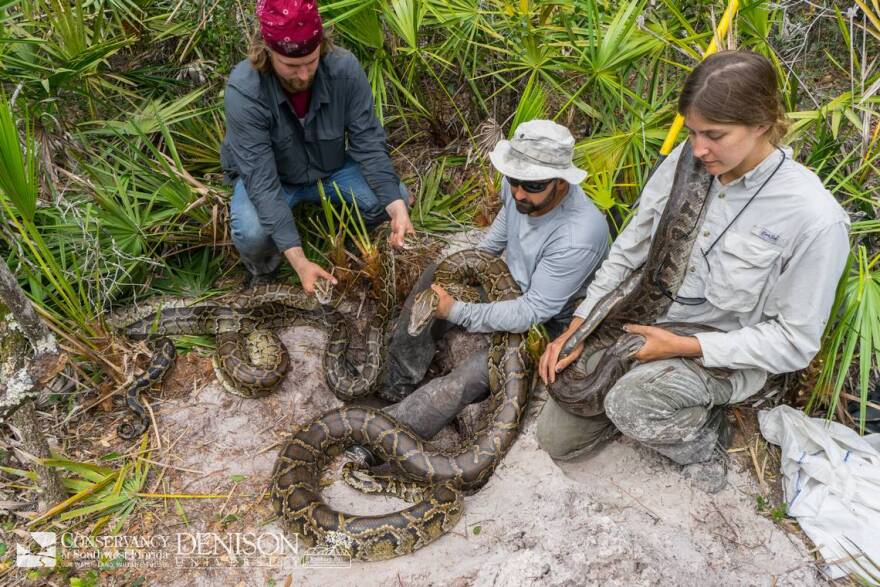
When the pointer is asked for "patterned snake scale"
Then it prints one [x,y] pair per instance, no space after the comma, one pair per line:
[640,298]
[348,381]
[296,487]
[250,359]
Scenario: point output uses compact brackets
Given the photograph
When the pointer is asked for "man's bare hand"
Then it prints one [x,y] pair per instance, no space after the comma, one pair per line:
[663,344]
[307,271]
[444,306]
[400,223]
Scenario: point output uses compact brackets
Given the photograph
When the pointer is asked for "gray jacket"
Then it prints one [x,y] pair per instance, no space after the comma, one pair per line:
[266,145]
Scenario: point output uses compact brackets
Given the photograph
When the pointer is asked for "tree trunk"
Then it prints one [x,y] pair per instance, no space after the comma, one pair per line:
[14,298]
[33,447]
[25,379]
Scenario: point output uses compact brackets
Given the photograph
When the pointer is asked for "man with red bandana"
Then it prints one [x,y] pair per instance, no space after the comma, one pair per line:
[299,113]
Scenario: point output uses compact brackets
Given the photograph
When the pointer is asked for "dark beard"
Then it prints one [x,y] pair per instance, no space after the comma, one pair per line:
[524,207]
[295,86]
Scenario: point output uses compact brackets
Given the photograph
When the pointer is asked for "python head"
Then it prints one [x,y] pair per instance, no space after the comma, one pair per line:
[324,291]
[423,311]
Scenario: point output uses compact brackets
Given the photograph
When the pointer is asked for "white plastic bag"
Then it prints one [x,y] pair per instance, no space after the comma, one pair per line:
[832,486]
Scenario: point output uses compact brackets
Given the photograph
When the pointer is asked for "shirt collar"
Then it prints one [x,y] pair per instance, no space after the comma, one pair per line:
[277,90]
[762,170]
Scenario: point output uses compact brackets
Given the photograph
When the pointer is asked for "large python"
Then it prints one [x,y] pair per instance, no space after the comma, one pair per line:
[347,380]
[250,360]
[296,479]
[640,298]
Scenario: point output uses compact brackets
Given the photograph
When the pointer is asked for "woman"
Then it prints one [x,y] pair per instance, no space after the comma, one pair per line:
[763,271]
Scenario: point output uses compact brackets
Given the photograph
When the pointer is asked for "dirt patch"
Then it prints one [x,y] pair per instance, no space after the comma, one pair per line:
[190,372]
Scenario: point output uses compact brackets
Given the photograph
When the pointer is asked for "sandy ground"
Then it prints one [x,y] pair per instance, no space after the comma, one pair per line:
[622,516]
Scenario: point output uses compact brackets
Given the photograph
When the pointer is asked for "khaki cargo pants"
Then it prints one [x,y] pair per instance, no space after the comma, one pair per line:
[672,406]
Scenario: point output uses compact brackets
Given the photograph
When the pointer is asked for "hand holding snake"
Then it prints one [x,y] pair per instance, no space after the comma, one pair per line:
[660,343]
[550,364]
[444,302]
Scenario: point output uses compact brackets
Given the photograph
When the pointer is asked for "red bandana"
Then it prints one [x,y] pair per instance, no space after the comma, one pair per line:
[290,27]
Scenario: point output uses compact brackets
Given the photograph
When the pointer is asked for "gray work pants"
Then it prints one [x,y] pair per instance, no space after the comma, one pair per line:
[667,405]
[408,357]
[434,405]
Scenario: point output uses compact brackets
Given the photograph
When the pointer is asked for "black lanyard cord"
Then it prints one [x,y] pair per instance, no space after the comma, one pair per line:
[687,301]
[743,209]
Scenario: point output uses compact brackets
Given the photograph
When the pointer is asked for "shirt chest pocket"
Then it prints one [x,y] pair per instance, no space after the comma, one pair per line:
[739,272]
[289,156]
[330,140]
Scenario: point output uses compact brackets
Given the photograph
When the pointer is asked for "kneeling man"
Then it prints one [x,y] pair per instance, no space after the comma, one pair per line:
[553,236]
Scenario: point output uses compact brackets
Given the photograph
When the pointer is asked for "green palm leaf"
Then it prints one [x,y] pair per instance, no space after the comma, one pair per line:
[18,169]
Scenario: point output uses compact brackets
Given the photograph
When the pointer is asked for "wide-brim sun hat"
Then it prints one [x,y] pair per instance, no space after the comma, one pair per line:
[539,150]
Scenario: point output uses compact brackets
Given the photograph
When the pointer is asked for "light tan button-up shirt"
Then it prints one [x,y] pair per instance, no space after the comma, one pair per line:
[769,282]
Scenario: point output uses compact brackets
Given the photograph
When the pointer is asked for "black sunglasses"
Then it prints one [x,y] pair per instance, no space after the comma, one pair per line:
[532,187]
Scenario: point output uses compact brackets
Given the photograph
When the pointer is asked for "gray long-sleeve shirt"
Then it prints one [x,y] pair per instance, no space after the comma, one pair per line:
[266,145]
[551,257]
[769,283]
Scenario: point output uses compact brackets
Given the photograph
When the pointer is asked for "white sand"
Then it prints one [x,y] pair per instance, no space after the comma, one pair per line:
[622,516]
